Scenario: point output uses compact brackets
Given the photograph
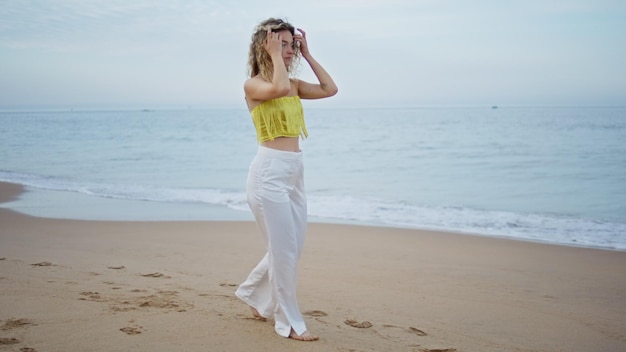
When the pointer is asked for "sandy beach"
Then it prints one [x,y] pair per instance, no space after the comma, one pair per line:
[72,285]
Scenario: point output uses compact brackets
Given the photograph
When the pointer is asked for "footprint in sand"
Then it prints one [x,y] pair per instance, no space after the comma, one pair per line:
[27,349]
[155,275]
[411,329]
[356,324]
[438,350]
[417,332]
[42,264]
[228,284]
[168,300]
[16,323]
[162,299]
[159,301]
[315,313]
[131,330]
[118,309]
[91,296]
[8,341]
[117,267]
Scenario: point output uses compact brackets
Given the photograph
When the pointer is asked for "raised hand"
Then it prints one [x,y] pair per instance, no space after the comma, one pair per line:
[273,43]
[326,86]
[301,40]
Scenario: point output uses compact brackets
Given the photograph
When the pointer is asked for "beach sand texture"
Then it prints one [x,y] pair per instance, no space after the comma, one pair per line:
[71,285]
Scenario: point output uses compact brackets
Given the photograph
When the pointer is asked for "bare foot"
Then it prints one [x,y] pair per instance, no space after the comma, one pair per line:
[306,336]
[257,315]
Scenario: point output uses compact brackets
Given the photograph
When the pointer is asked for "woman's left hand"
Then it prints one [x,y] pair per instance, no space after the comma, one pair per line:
[301,39]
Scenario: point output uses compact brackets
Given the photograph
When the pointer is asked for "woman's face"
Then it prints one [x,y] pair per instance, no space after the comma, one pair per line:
[288,46]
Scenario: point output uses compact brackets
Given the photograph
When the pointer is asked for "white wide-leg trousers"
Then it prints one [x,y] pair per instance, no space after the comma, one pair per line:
[276,196]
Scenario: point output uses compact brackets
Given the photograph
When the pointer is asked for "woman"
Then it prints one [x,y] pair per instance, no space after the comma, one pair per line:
[275,184]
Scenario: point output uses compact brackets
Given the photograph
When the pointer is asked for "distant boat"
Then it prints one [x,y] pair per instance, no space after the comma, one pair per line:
[494,106]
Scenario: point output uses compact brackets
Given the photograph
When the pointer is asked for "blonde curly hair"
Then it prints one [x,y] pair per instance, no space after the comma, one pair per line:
[259,61]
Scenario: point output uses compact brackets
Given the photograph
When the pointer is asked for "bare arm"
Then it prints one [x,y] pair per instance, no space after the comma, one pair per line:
[326,86]
[258,89]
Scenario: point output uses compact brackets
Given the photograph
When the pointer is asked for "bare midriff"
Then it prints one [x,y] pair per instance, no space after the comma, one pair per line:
[288,144]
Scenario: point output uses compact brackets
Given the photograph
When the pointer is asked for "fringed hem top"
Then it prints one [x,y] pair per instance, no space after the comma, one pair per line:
[280,117]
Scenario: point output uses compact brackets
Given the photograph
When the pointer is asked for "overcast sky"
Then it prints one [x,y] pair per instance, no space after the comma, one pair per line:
[151,53]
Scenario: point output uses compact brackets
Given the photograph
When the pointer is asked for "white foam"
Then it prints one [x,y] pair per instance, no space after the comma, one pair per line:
[535,227]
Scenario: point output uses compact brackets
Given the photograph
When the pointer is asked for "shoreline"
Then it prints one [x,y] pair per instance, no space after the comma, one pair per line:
[163,285]
[108,210]
[10,191]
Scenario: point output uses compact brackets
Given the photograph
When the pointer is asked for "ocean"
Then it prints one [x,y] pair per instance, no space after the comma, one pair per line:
[547,174]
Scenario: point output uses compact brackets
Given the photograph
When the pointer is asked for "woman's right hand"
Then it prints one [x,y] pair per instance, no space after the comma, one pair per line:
[273,43]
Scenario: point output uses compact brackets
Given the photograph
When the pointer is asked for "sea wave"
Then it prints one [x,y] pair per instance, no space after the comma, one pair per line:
[233,199]
[550,228]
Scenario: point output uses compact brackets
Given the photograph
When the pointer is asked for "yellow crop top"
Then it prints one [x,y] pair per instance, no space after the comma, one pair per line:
[280,117]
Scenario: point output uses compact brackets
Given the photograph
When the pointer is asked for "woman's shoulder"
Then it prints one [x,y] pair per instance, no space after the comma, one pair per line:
[253,81]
